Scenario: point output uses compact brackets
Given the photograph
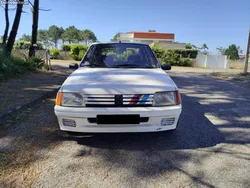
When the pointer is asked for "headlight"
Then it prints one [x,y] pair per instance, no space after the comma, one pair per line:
[167,98]
[70,99]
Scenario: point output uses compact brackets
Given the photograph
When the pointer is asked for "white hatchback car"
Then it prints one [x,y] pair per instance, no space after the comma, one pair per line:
[118,87]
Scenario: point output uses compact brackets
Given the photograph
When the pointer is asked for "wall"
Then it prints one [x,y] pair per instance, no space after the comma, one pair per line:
[167,45]
[212,61]
[153,35]
[125,37]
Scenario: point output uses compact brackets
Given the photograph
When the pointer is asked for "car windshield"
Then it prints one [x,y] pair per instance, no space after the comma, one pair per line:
[120,55]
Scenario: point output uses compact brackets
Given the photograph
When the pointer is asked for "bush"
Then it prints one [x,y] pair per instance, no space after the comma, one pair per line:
[184,53]
[186,62]
[54,53]
[25,45]
[175,57]
[32,63]
[193,54]
[10,66]
[66,47]
[158,50]
[171,57]
[81,54]
[77,51]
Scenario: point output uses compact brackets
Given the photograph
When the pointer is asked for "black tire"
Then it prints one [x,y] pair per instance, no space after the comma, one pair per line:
[73,65]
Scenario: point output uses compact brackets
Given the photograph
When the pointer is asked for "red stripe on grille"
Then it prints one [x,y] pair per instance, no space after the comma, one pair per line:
[133,99]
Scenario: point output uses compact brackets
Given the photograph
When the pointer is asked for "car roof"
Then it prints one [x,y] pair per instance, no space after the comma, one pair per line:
[137,43]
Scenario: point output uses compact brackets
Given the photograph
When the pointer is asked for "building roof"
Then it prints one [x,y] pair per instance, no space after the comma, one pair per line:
[152,35]
[134,43]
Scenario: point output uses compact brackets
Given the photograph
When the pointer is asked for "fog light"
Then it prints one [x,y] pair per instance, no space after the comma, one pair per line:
[69,122]
[167,121]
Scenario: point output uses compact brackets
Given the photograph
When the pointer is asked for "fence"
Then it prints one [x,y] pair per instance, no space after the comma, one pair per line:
[212,61]
[40,53]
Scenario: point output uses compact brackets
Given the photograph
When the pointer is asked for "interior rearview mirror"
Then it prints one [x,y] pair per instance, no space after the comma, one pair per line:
[166,67]
[73,66]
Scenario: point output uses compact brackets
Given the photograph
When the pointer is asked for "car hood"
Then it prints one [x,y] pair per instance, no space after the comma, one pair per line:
[118,81]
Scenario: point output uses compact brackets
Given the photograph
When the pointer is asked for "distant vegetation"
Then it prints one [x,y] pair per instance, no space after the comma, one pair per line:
[10,66]
[232,51]
[175,57]
[28,47]
[50,37]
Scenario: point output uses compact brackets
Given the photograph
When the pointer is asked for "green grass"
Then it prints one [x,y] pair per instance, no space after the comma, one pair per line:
[12,66]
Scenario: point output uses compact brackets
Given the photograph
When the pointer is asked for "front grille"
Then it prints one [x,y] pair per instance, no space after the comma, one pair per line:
[136,100]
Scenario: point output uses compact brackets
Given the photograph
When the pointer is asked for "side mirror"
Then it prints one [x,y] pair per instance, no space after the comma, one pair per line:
[73,66]
[166,67]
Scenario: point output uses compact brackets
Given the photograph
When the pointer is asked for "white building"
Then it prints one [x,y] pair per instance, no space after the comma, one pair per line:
[164,39]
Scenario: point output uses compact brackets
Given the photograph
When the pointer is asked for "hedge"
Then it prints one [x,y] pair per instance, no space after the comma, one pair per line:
[66,47]
[185,53]
[176,57]
[77,51]
[54,53]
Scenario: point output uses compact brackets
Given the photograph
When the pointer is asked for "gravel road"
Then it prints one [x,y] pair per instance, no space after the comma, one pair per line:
[210,148]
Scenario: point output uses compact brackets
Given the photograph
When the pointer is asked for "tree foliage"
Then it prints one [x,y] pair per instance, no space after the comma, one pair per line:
[54,33]
[232,52]
[71,34]
[221,50]
[204,47]
[42,35]
[25,37]
[188,46]
[116,37]
[87,36]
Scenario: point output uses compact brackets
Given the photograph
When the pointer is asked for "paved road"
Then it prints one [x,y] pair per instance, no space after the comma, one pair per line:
[210,148]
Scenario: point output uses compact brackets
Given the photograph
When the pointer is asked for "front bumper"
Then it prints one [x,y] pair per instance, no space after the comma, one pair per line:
[154,123]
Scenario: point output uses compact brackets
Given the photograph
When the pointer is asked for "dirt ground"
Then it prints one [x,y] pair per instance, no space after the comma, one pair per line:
[234,77]
[210,148]
[31,85]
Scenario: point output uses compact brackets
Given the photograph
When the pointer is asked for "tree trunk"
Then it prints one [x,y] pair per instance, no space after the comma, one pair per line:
[55,44]
[14,29]
[7,22]
[35,13]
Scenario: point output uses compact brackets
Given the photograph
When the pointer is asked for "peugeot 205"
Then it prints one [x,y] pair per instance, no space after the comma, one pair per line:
[118,87]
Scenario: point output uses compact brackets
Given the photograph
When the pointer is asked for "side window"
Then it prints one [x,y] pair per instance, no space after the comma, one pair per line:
[90,52]
[86,60]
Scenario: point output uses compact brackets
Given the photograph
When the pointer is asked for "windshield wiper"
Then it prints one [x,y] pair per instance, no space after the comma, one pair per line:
[130,66]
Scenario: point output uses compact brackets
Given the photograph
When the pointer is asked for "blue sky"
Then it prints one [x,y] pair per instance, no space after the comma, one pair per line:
[214,22]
